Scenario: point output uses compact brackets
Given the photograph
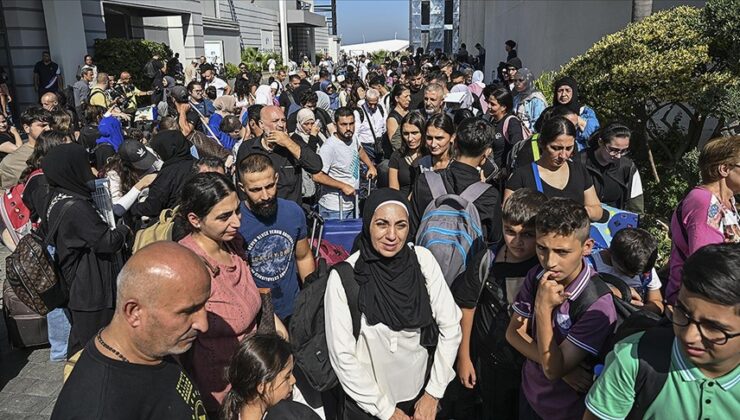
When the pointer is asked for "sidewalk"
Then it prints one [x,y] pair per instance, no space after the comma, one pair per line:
[29,382]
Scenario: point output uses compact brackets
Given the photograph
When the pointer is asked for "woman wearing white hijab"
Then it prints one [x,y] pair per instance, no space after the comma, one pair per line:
[263,96]
[476,88]
[308,131]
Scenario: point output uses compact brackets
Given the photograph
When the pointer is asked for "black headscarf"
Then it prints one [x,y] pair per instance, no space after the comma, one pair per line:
[67,170]
[392,290]
[574,104]
[171,146]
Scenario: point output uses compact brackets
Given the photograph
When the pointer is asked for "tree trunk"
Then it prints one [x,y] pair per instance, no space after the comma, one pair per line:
[641,9]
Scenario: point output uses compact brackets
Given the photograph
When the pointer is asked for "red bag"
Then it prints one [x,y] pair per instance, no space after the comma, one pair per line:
[16,216]
[332,254]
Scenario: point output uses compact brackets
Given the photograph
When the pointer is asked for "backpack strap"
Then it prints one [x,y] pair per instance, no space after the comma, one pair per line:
[436,185]
[506,127]
[54,227]
[684,233]
[654,358]
[595,289]
[537,179]
[618,284]
[535,146]
[484,268]
[352,289]
[474,191]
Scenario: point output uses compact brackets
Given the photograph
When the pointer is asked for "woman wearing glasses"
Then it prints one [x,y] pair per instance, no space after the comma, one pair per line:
[614,175]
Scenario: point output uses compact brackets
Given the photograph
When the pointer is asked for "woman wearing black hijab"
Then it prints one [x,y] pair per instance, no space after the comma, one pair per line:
[85,246]
[404,300]
[174,150]
[565,93]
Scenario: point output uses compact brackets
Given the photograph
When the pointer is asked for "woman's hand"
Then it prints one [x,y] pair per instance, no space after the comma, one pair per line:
[145,181]
[466,372]
[425,408]
[315,128]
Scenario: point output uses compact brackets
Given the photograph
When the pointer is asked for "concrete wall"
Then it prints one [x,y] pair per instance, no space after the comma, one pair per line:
[548,32]
[252,19]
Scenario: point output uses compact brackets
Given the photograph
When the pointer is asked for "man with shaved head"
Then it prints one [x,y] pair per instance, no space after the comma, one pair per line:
[127,370]
[289,156]
[49,101]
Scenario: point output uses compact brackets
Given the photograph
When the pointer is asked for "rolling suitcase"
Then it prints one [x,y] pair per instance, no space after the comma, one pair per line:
[25,327]
[344,232]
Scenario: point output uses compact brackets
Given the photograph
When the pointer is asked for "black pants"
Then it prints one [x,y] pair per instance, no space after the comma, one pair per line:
[499,389]
[85,325]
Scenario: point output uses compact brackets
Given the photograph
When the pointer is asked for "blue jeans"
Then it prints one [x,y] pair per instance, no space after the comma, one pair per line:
[58,328]
[335,214]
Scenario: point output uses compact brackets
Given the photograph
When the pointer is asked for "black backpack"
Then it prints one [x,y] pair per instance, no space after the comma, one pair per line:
[307,325]
[654,362]
[150,70]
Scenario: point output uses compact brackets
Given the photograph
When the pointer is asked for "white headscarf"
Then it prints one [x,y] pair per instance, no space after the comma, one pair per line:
[304,115]
[467,101]
[478,78]
[263,96]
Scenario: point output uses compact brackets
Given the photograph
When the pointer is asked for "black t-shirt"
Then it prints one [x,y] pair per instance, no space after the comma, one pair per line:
[609,181]
[417,99]
[6,138]
[405,170]
[492,302]
[46,73]
[103,388]
[578,182]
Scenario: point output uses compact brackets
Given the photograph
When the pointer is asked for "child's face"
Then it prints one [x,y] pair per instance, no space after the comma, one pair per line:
[520,241]
[562,255]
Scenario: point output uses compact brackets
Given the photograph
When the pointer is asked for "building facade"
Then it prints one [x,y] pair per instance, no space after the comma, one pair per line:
[218,29]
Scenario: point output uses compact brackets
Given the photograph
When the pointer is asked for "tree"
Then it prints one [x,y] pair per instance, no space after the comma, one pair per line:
[641,9]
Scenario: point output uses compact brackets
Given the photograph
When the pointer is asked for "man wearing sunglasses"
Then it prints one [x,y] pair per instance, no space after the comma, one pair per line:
[702,379]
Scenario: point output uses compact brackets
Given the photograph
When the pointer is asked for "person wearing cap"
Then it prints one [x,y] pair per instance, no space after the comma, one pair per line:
[509,70]
[130,172]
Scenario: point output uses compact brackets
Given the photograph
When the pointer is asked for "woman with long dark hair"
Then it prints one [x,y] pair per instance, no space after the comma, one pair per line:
[130,172]
[401,170]
[209,213]
[439,136]
[509,129]
[406,308]
[554,173]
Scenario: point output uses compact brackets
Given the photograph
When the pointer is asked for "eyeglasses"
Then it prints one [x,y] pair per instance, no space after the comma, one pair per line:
[714,335]
[617,152]
[519,80]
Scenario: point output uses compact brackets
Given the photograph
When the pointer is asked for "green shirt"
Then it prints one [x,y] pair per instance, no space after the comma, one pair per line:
[687,393]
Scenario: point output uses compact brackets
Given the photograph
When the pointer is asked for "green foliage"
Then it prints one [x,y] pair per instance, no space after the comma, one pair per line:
[231,71]
[114,55]
[545,83]
[257,61]
[379,56]
[722,25]
[662,198]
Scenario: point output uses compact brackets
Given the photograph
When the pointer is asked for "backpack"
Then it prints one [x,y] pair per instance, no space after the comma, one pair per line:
[307,325]
[294,107]
[654,362]
[149,70]
[16,216]
[32,270]
[450,227]
[511,158]
[159,231]
[526,132]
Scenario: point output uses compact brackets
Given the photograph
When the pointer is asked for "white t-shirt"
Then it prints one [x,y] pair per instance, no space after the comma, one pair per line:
[633,282]
[342,163]
[219,84]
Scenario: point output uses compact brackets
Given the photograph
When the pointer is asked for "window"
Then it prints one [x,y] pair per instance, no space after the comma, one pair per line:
[425,40]
[210,8]
[425,13]
[448,41]
[448,12]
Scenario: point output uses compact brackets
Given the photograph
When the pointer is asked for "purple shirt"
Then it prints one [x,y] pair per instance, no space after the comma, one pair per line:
[556,399]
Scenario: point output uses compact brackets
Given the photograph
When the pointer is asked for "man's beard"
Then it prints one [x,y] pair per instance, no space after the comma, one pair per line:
[265,209]
[347,138]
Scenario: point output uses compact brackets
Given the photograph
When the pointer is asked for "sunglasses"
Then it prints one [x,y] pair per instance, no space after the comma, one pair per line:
[617,152]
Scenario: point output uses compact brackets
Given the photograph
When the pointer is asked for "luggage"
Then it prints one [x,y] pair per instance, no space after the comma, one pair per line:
[602,233]
[343,232]
[33,273]
[25,327]
[332,254]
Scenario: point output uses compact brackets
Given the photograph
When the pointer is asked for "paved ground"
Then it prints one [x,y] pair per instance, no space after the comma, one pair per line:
[29,382]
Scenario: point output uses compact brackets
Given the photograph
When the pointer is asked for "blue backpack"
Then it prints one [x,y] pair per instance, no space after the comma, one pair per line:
[450,227]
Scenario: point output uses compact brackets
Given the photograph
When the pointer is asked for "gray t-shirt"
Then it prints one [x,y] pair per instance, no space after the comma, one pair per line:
[341,162]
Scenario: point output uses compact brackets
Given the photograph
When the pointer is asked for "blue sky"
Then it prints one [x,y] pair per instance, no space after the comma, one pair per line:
[378,19]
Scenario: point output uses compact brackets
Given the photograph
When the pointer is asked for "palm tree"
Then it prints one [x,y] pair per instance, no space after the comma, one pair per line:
[641,9]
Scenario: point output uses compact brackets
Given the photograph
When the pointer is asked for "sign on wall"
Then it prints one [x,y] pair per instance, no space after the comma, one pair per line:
[214,51]
[268,41]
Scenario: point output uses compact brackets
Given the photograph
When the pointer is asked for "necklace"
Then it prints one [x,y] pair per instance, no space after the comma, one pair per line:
[109,348]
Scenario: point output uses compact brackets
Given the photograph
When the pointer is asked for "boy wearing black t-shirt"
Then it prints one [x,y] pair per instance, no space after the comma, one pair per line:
[485,358]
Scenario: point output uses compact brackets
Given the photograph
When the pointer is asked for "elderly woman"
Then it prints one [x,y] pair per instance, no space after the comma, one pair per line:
[707,215]
[565,91]
[403,301]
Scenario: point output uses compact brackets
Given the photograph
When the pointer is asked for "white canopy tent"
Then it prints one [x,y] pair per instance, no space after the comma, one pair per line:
[391,45]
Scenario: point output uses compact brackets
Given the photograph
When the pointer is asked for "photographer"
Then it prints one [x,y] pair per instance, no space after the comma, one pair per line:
[127,90]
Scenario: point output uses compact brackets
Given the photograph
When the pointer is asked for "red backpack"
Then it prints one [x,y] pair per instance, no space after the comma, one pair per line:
[16,216]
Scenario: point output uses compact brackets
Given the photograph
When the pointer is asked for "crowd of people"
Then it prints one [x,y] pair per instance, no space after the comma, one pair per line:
[517,316]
